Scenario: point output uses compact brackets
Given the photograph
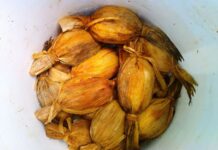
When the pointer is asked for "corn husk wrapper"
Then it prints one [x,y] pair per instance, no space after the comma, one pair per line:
[42,62]
[135,84]
[62,118]
[69,48]
[157,91]
[59,73]
[90,116]
[74,46]
[79,135]
[123,55]
[155,119]
[43,113]
[103,64]
[62,67]
[52,131]
[83,97]
[107,127]
[48,84]
[92,146]
[165,63]
[121,146]
[73,22]
[158,38]
[114,25]
[46,90]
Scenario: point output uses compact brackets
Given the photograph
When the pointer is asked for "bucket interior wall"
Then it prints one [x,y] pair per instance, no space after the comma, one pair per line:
[27,24]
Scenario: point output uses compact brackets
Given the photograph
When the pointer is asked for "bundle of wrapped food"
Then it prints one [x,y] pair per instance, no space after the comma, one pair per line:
[108,81]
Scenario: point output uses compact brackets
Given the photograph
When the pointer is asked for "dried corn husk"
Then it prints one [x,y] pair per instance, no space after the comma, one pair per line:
[157,37]
[114,25]
[62,67]
[157,117]
[70,48]
[42,62]
[107,127]
[42,114]
[52,131]
[83,97]
[90,116]
[135,87]
[59,73]
[121,146]
[157,91]
[123,55]
[47,90]
[92,146]
[74,46]
[62,118]
[103,64]
[73,22]
[79,135]
[165,63]
[135,84]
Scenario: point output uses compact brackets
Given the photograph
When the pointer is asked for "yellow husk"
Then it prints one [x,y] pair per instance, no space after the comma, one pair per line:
[63,117]
[123,55]
[90,147]
[42,62]
[90,116]
[63,68]
[135,84]
[74,46]
[114,25]
[157,37]
[43,113]
[47,90]
[83,97]
[165,63]
[59,73]
[79,135]
[103,64]
[52,131]
[121,146]
[135,87]
[73,22]
[155,119]
[107,127]
[70,48]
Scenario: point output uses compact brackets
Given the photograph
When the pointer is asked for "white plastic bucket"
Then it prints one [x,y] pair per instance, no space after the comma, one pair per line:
[26,24]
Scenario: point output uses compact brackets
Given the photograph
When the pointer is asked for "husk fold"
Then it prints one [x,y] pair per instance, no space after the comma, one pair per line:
[107,127]
[79,134]
[135,84]
[155,119]
[103,64]
[114,25]
[90,147]
[83,97]
[71,48]
[165,62]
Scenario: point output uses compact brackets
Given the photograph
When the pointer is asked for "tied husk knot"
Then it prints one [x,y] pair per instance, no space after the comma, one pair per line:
[132,117]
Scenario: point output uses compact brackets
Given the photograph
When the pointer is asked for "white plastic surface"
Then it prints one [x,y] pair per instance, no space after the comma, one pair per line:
[26,24]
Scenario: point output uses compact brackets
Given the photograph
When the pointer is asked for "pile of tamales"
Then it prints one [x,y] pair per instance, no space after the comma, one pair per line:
[108,81]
